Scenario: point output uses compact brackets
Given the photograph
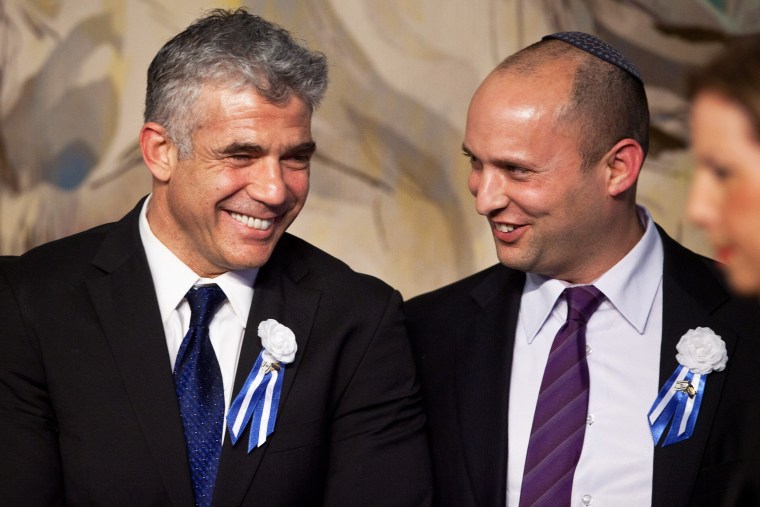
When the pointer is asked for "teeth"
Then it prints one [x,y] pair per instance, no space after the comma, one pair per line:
[505,228]
[254,223]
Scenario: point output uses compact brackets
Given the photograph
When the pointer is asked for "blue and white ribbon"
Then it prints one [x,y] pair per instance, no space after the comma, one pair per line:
[257,402]
[678,404]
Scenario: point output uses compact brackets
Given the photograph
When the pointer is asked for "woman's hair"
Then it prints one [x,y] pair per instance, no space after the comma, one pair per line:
[735,75]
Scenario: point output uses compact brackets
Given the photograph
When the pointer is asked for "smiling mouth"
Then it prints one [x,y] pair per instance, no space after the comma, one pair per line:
[259,224]
[505,227]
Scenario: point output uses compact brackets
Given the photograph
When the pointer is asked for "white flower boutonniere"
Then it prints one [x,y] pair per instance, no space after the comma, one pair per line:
[700,352]
[279,342]
[259,399]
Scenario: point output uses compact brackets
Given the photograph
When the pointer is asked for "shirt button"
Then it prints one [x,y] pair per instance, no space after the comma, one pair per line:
[587,499]
[590,421]
[588,350]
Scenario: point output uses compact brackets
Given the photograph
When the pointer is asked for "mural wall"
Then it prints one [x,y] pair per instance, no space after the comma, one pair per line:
[389,182]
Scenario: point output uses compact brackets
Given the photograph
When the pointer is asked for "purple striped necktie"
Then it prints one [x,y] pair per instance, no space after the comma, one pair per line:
[559,423]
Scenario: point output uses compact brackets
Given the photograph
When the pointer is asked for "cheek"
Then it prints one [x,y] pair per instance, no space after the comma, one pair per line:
[297,183]
[741,214]
[222,183]
[550,198]
[706,192]
[203,181]
[740,202]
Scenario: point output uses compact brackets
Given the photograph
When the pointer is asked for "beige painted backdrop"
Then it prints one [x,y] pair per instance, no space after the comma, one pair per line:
[389,182]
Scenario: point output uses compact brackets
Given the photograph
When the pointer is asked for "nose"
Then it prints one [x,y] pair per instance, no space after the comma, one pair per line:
[703,206]
[489,186]
[266,183]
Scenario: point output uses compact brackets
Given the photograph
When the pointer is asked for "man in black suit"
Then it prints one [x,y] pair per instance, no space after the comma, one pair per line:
[556,136]
[94,324]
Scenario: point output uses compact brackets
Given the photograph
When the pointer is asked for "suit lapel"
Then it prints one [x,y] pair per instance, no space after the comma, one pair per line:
[276,296]
[125,302]
[691,295]
[484,352]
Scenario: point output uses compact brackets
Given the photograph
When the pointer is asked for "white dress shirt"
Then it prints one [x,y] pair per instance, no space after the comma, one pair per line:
[623,345]
[172,279]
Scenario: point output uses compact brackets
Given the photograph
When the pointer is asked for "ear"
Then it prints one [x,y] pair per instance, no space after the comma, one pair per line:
[158,151]
[624,163]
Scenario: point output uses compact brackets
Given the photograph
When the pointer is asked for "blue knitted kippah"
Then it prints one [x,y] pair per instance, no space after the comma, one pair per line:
[597,47]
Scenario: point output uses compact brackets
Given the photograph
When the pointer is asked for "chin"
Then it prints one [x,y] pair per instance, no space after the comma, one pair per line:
[512,262]
[744,282]
[247,260]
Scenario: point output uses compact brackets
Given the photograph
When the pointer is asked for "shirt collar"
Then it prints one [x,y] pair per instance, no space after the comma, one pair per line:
[172,278]
[540,294]
[630,285]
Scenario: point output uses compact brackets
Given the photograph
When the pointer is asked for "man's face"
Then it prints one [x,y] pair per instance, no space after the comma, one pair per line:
[545,213]
[226,207]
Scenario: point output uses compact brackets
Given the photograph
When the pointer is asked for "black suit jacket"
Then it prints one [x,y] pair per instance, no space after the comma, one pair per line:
[463,337]
[88,413]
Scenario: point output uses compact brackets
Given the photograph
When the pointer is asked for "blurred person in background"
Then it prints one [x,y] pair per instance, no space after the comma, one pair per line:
[725,197]
[725,194]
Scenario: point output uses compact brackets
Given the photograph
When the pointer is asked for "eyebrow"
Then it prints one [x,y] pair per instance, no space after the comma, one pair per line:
[233,148]
[499,162]
[307,148]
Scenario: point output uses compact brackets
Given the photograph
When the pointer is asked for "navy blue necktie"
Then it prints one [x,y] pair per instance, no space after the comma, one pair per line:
[200,392]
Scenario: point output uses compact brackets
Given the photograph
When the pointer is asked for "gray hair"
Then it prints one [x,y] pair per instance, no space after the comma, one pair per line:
[606,103]
[235,49]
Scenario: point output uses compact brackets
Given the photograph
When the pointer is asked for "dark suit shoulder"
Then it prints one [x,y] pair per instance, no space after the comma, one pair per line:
[7,258]
[325,272]
[87,253]
[456,289]
[59,259]
[434,317]
[678,258]
[703,280]
[479,288]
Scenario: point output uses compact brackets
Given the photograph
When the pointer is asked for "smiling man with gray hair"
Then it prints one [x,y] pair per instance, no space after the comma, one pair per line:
[194,353]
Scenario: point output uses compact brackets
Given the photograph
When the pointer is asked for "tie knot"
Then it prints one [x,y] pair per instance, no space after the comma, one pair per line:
[582,302]
[204,301]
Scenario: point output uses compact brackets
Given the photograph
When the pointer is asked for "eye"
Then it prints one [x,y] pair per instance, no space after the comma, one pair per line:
[517,170]
[239,159]
[297,161]
[474,161]
[721,173]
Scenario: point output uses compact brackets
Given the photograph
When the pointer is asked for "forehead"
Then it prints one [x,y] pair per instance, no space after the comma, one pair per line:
[546,88]
[245,113]
[516,111]
[715,118]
